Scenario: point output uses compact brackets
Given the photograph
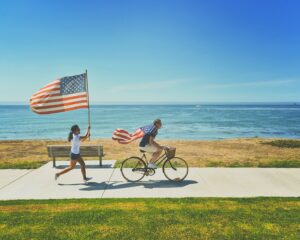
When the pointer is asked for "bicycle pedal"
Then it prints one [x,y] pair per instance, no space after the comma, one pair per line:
[151,172]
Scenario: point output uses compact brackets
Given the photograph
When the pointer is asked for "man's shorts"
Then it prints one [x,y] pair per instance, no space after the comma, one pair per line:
[149,148]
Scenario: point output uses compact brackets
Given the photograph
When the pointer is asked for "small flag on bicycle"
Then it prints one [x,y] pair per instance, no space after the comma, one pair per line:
[124,137]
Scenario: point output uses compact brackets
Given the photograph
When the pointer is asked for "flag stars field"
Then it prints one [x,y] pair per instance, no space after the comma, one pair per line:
[74,84]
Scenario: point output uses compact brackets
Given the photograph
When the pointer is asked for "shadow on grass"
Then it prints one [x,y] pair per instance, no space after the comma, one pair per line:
[94,186]
[284,143]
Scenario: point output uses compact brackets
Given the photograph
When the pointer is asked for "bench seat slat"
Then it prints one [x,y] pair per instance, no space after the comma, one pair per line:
[55,151]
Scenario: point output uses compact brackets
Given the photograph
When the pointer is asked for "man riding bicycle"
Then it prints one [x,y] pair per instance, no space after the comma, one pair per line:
[148,144]
[134,168]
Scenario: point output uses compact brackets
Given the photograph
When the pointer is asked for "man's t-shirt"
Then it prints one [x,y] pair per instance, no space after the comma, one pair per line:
[149,130]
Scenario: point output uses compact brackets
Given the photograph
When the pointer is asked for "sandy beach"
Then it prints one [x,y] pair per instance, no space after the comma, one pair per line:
[251,152]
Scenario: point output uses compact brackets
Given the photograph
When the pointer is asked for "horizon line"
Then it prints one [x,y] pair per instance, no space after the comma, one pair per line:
[17,103]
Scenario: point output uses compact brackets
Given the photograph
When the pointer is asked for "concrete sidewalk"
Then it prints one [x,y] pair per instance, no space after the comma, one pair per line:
[107,182]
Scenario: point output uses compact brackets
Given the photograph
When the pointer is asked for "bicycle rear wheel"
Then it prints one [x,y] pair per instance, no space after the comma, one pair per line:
[175,169]
[133,169]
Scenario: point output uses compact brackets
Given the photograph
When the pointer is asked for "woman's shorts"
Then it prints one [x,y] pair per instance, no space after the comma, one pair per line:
[74,156]
[149,148]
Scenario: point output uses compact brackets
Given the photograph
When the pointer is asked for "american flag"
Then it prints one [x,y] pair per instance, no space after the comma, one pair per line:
[64,94]
[124,137]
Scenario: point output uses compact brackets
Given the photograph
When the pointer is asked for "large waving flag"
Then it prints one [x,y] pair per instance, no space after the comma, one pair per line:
[61,95]
[124,137]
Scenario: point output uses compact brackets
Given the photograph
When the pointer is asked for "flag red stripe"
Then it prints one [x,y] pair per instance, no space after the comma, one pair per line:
[122,136]
[51,84]
[60,105]
[58,108]
[61,110]
[45,96]
[57,102]
[123,133]
[60,99]
[121,130]
[47,90]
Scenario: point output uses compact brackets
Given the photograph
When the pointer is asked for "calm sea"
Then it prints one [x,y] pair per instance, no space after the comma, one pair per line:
[179,121]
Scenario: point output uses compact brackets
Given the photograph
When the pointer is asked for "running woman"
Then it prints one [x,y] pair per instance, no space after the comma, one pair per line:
[75,139]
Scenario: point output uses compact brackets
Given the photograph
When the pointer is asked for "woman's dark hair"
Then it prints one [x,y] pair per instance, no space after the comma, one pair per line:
[73,129]
[157,121]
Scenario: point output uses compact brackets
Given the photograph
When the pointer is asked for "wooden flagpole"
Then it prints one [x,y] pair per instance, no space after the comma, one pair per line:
[88,97]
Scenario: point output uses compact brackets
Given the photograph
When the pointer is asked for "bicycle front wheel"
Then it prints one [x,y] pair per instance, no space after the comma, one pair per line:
[133,169]
[175,169]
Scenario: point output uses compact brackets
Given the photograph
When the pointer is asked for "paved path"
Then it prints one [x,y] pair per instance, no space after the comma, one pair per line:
[107,182]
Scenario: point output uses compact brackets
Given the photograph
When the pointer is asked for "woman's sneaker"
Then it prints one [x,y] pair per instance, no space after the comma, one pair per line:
[87,179]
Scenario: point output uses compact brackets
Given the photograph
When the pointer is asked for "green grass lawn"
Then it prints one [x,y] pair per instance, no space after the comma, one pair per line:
[188,218]
[22,164]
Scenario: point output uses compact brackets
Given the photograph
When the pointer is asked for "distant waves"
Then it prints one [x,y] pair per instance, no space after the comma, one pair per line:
[179,121]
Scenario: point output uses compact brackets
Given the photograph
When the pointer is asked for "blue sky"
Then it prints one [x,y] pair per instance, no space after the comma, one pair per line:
[153,51]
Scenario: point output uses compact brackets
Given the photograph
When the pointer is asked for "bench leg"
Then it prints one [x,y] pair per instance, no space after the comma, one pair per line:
[53,160]
[100,161]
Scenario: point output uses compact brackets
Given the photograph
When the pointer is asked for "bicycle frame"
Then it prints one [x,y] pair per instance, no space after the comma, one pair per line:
[158,161]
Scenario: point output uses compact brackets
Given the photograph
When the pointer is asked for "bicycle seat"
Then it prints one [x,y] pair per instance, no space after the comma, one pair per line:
[142,151]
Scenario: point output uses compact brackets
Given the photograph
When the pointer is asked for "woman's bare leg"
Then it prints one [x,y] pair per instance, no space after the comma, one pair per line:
[71,166]
[82,166]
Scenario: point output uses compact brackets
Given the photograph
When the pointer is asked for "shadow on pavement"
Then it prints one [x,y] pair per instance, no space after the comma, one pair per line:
[86,166]
[92,186]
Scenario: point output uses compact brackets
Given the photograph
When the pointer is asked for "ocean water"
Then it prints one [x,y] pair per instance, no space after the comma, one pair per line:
[179,121]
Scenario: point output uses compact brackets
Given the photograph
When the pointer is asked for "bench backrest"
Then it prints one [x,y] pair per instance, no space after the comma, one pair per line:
[64,150]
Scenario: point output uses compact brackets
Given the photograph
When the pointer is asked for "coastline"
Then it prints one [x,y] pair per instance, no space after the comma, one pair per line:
[207,122]
[237,152]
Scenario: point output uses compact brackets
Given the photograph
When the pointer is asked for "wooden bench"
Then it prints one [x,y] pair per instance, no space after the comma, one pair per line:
[55,151]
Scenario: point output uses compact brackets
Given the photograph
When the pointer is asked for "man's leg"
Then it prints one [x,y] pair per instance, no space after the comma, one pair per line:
[155,155]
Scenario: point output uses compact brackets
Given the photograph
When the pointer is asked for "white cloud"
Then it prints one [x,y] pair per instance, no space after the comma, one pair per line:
[250,84]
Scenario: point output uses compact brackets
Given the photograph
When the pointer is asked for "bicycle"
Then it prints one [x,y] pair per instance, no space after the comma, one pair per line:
[175,169]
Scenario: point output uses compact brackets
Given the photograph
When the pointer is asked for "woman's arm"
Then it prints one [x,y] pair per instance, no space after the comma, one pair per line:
[86,136]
